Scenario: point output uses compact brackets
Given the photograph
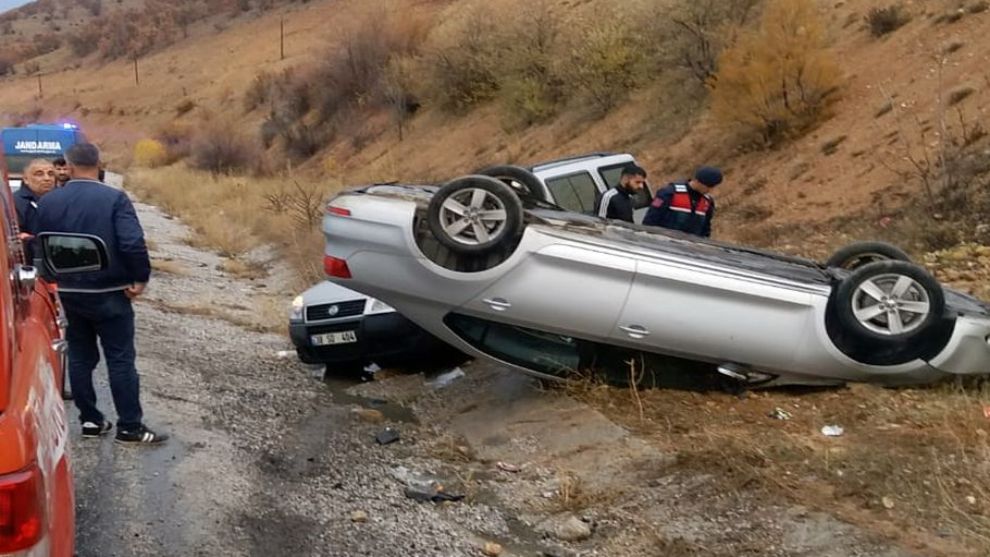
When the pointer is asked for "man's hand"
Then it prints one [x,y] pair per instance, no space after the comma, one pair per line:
[135,290]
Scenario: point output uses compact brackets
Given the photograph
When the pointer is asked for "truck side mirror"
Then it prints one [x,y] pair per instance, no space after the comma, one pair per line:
[69,254]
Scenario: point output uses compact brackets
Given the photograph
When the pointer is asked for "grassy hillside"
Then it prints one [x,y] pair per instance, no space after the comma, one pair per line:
[902,124]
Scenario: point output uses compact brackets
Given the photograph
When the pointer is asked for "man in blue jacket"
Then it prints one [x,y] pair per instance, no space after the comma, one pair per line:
[98,305]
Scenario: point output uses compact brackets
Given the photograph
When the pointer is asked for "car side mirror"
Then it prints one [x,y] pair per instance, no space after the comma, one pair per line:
[69,254]
[642,198]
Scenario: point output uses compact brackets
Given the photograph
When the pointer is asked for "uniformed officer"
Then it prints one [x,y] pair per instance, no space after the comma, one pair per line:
[686,206]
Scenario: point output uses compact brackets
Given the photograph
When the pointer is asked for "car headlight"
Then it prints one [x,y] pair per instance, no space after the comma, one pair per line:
[296,311]
[378,306]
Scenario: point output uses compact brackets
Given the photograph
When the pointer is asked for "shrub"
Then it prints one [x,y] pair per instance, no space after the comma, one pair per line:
[220,148]
[463,65]
[779,80]
[398,89]
[532,85]
[302,140]
[887,20]
[84,41]
[607,62]
[260,90]
[176,137]
[6,66]
[353,74]
[695,32]
[43,43]
[184,107]
[150,153]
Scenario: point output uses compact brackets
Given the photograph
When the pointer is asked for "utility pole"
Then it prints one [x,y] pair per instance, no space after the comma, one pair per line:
[137,80]
[41,93]
[281,39]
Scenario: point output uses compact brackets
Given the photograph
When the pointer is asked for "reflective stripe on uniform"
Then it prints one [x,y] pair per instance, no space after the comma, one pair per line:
[606,198]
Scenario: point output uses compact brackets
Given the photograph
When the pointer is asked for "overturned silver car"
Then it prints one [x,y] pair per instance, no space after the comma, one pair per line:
[492,269]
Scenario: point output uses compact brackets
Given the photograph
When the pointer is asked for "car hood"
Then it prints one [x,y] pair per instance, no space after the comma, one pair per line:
[327,292]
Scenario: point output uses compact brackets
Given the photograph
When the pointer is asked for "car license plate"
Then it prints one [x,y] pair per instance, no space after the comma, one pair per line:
[326,339]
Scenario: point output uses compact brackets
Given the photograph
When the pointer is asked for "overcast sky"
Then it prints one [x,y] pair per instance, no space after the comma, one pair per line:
[8,4]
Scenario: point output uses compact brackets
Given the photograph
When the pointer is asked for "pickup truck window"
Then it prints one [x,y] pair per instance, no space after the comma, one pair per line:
[575,192]
[610,174]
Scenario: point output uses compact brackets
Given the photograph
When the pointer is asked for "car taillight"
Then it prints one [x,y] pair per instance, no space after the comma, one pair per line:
[22,510]
[336,267]
[339,211]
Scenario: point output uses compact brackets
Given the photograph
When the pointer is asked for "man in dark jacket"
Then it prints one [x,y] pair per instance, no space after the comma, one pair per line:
[686,206]
[616,203]
[98,304]
[39,179]
[61,171]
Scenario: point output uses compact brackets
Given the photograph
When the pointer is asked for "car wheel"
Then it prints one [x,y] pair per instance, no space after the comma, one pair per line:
[889,302]
[516,177]
[857,254]
[474,214]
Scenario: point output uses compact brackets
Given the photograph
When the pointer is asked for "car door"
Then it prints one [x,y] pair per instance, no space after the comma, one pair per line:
[564,287]
[677,308]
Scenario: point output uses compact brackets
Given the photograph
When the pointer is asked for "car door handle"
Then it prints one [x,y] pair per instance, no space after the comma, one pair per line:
[497,304]
[635,331]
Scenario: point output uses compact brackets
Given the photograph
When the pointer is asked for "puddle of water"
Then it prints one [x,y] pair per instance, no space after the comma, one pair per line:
[392,411]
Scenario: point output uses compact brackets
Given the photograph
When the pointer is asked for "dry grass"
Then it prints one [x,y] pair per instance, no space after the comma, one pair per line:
[169,266]
[240,269]
[232,215]
[911,464]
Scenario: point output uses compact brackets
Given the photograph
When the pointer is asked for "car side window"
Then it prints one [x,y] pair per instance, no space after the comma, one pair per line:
[536,350]
[610,174]
[575,192]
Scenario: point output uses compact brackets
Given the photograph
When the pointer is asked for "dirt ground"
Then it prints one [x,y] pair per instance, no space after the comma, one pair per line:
[269,459]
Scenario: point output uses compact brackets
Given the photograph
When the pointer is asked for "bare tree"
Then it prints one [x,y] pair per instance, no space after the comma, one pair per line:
[701,29]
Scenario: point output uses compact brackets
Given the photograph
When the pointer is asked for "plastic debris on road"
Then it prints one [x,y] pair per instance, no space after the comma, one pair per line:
[780,414]
[832,431]
[447,378]
[507,466]
[386,436]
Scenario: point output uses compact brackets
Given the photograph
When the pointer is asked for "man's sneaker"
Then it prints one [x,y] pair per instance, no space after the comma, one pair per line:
[92,429]
[140,436]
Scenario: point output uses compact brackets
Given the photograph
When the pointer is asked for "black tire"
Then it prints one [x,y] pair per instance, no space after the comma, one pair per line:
[497,197]
[880,331]
[857,254]
[516,177]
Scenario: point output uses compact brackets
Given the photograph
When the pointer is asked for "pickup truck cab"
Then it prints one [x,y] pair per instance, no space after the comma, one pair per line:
[37,512]
[574,183]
